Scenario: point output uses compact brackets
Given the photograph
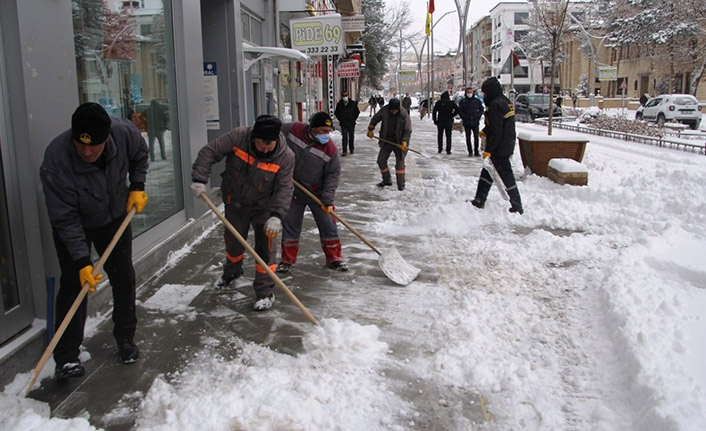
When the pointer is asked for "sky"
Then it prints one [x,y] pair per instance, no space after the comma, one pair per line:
[446,33]
[585,313]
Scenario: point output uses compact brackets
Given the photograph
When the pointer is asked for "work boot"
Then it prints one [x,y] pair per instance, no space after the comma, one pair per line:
[384,184]
[264,303]
[128,351]
[478,203]
[225,280]
[69,370]
[344,154]
[337,265]
[516,210]
[284,268]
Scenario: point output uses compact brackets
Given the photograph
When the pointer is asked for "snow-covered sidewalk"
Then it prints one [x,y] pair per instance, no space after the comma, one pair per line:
[585,313]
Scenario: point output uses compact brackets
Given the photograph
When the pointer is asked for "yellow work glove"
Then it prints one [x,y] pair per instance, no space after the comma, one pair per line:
[85,275]
[404,146]
[486,154]
[138,199]
[481,134]
[371,133]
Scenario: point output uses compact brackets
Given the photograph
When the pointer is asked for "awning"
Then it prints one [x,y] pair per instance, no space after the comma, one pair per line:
[261,52]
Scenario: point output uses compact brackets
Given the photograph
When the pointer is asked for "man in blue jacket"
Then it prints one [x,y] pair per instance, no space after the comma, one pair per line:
[471,109]
[84,176]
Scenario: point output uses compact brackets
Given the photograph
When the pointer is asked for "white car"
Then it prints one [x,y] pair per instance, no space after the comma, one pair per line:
[683,108]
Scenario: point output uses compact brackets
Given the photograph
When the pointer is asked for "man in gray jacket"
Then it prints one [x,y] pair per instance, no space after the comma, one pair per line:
[397,128]
[84,175]
[256,189]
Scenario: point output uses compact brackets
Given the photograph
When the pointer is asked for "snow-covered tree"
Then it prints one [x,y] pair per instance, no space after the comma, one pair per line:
[548,23]
[673,33]
[582,88]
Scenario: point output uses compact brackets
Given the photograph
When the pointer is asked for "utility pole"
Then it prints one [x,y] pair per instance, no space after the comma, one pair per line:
[399,68]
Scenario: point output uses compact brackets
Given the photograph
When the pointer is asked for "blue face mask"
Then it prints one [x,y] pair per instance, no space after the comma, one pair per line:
[322,138]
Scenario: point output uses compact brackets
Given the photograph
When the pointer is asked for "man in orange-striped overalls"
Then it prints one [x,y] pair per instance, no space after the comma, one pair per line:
[257,189]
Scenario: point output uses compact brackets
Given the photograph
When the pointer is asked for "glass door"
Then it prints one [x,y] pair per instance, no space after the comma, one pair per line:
[15,303]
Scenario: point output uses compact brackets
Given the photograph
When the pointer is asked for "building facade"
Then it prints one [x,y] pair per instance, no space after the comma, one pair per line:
[183,71]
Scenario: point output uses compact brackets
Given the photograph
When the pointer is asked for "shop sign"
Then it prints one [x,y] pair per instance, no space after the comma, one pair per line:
[319,35]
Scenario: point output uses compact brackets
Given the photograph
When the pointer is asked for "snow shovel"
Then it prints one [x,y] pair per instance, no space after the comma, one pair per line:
[488,166]
[77,302]
[394,144]
[259,260]
[391,262]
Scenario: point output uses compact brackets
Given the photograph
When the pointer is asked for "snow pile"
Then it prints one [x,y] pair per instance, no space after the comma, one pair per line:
[335,381]
[24,414]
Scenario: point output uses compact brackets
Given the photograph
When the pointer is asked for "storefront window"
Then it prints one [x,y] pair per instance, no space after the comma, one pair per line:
[124,62]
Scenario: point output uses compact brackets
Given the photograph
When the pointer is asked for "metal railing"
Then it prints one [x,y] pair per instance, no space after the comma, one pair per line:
[658,141]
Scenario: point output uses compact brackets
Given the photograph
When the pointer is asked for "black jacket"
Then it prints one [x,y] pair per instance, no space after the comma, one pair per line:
[499,120]
[470,109]
[347,112]
[444,110]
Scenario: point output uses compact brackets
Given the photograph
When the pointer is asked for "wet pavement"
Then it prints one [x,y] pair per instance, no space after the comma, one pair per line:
[180,312]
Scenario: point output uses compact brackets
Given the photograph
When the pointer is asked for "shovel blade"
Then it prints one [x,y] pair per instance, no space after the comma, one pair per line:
[396,268]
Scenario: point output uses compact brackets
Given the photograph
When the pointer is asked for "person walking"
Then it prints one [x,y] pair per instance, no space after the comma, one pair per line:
[574,99]
[396,127]
[381,101]
[407,103]
[471,109]
[347,113]
[499,133]
[423,108]
[84,175]
[318,169]
[157,123]
[373,102]
[256,188]
[443,116]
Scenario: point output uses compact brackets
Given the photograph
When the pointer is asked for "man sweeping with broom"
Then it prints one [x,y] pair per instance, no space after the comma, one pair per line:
[83,175]
[257,189]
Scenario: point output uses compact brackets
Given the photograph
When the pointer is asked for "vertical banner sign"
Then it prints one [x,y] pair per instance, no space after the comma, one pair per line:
[319,35]
[210,82]
[329,63]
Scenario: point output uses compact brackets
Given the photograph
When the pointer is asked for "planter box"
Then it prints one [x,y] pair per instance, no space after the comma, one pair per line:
[536,149]
[567,171]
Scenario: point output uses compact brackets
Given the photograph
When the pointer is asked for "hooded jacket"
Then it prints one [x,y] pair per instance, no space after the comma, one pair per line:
[257,186]
[403,130]
[499,120]
[318,167]
[80,195]
[444,110]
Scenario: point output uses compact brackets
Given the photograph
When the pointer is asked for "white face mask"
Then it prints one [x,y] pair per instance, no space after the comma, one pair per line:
[469,95]
[345,99]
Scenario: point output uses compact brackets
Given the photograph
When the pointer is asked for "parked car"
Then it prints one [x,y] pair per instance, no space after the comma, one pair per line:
[683,108]
[529,106]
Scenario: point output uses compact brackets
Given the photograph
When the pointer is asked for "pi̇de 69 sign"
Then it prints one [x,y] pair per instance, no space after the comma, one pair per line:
[320,35]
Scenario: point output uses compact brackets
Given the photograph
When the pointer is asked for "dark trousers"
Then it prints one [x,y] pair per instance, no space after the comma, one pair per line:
[159,135]
[265,247]
[504,168]
[383,156]
[441,129]
[347,136]
[292,229]
[122,280]
[469,128]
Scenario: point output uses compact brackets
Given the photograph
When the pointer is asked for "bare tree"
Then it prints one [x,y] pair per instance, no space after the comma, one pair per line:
[549,18]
